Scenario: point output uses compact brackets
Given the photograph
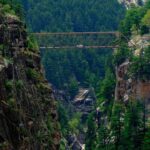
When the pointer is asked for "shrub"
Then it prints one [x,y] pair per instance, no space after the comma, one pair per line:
[7,9]
[122,54]
[19,84]
[140,67]
[32,44]
[9,85]
[74,122]
[11,102]
[144,29]
[32,74]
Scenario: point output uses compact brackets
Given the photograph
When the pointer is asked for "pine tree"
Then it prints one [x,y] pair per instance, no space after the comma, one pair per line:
[133,127]
[117,124]
[91,133]
[102,139]
[146,143]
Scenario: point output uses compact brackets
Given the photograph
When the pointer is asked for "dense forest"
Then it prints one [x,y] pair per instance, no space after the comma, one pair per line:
[69,69]
[127,125]
[73,15]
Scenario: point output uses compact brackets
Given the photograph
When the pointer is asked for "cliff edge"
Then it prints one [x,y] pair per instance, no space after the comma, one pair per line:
[28,116]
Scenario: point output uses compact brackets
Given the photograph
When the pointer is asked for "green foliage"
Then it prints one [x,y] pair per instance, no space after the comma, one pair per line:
[1,49]
[19,84]
[12,7]
[107,85]
[73,87]
[133,17]
[133,126]
[7,9]
[32,44]
[137,17]
[146,143]
[91,133]
[32,74]
[140,67]
[49,125]
[11,102]
[63,119]
[146,19]
[45,136]
[121,54]
[63,144]
[75,15]
[74,122]
[72,67]
[105,93]
[144,29]
[9,85]
[127,128]
[102,139]
[125,131]
[117,124]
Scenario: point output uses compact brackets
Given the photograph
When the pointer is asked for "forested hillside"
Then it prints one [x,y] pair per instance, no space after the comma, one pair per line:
[124,120]
[85,67]
[73,15]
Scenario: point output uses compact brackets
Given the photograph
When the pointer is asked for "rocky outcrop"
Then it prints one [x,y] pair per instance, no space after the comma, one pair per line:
[28,117]
[122,82]
[129,3]
[84,102]
[128,88]
[74,143]
[139,43]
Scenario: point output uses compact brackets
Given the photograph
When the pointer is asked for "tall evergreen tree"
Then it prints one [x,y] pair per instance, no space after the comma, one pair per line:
[91,133]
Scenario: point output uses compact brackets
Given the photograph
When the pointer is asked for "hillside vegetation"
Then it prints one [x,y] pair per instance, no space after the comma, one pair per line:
[73,15]
[124,113]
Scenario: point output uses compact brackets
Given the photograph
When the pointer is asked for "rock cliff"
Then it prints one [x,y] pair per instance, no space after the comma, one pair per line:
[134,87]
[28,116]
[129,3]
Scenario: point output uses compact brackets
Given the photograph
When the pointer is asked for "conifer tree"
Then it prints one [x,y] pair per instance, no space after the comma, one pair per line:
[146,143]
[91,133]
[117,124]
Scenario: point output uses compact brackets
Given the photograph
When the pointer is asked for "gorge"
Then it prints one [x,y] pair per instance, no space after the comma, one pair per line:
[80,99]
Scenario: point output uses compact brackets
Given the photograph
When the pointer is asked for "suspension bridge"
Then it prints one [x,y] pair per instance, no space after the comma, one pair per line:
[60,40]
[75,33]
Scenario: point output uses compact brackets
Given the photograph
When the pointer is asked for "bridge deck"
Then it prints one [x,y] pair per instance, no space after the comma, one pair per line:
[76,47]
[75,33]
[80,46]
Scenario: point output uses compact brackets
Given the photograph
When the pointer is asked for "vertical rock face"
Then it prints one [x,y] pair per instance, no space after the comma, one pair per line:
[28,117]
[131,88]
[123,84]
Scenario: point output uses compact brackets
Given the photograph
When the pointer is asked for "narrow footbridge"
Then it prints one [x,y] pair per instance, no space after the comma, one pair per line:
[77,40]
